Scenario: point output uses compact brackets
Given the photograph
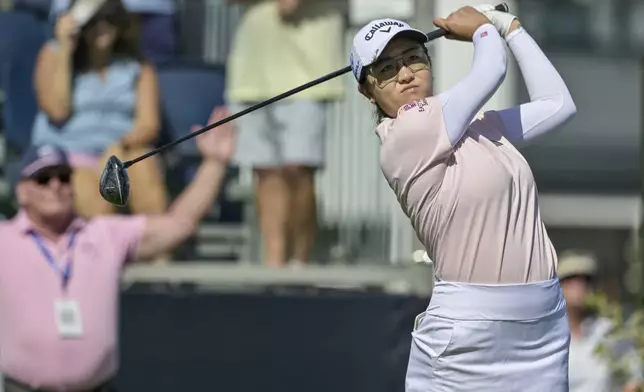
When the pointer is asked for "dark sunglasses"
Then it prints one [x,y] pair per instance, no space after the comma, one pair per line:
[44,177]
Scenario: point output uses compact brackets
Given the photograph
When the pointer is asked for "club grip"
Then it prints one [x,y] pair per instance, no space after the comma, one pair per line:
[503,7]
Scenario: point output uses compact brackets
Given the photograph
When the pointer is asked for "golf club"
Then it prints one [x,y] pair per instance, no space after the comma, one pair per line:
[114,185]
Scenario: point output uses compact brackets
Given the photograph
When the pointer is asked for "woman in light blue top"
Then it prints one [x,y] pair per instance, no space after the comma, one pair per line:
[97,97]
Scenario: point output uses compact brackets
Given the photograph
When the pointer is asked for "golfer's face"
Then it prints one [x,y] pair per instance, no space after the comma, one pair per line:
[402,74]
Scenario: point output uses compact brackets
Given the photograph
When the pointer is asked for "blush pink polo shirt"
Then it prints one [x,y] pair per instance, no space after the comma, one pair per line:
[474,206]
[31,350]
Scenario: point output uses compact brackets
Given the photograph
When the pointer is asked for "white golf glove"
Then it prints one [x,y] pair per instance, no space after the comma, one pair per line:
[501,20]
[426,258]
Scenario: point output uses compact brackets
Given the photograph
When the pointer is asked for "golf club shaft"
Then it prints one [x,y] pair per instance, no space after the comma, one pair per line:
[237,115]
[438,33]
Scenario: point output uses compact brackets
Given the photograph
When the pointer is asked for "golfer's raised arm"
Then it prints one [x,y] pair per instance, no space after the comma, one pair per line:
[165,232]
[463,101]
[551,104]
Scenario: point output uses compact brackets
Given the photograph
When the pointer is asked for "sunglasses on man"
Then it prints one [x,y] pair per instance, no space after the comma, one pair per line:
[44,177]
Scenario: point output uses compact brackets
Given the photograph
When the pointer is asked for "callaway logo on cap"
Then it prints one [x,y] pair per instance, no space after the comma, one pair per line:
[372,39]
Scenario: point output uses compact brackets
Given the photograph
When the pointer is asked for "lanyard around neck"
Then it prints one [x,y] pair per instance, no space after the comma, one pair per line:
[64,271]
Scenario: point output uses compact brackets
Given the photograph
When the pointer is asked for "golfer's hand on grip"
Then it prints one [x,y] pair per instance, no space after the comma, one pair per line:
[504,22]
[462,24]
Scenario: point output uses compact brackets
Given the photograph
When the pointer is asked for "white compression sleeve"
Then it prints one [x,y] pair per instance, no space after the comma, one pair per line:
[463,101]
[550,102]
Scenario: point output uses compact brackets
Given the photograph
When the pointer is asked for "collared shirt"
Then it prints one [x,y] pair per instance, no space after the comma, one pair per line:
[587,371]
[32,350]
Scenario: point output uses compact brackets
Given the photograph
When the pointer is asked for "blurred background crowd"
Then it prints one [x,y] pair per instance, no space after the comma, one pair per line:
[304,187]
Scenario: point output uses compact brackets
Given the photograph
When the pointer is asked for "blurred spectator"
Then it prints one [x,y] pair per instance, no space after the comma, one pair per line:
[281,44]
[61,274]
[156,20]
[577,272]
[97,97]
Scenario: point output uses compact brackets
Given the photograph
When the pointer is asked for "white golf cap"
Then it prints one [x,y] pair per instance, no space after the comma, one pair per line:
[372,39]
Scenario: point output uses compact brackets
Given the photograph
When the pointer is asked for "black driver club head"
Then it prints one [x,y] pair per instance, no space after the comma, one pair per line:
[114,185]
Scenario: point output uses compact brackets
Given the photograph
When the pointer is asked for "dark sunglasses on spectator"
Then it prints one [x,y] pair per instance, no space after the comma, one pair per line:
[43,177]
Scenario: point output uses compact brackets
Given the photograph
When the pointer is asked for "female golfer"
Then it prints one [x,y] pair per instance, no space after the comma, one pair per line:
[496,320]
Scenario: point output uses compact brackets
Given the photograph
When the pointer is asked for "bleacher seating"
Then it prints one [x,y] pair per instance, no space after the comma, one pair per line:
[22,34]
[189,92]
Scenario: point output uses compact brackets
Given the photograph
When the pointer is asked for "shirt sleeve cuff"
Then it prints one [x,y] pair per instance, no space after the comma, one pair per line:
[483,31]
[513,34]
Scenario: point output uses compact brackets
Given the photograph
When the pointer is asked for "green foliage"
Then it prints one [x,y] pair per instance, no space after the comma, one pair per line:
[629,329]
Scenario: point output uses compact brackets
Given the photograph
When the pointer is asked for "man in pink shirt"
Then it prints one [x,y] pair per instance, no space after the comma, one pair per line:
[59,291]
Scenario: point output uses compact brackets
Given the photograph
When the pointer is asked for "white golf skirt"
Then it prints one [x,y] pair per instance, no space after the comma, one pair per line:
[491,338]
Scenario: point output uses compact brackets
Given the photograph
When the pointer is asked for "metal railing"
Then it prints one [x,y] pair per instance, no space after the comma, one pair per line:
[415,279]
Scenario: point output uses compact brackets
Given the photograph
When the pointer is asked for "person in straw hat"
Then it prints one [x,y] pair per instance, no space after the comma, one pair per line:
[578,272]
